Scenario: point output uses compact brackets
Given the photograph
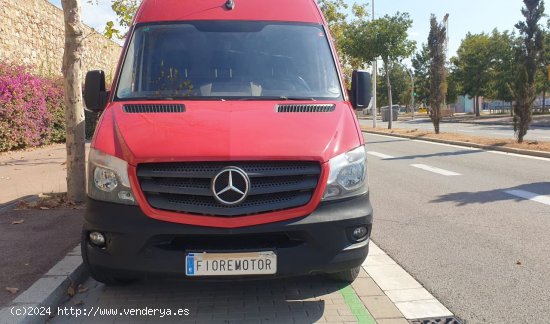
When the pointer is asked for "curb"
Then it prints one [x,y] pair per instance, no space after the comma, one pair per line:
[540,154]
[12,204]
[407,294]
[47,293]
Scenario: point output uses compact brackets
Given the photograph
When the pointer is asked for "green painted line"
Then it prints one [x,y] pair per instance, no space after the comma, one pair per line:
[356,306]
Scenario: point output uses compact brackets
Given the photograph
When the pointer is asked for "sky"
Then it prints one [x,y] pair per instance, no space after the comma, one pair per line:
[475,16]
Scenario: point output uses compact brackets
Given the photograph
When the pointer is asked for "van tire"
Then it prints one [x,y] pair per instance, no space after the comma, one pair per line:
[100,275]
[347,276]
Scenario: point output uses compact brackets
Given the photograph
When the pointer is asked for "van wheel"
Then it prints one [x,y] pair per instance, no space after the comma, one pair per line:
[99,275]
[347,276]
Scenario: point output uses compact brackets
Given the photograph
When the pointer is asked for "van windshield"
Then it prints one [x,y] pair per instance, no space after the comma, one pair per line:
[229,60]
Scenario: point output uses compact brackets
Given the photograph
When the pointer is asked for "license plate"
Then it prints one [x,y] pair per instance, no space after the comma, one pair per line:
[231,264]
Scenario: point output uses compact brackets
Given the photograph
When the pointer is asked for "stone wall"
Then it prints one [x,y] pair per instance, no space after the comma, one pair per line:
[32,33]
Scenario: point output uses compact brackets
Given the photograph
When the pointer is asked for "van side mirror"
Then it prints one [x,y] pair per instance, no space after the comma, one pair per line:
[360,93]
[95,93]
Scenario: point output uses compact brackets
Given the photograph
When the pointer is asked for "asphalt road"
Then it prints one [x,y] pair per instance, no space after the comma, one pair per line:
[498,131]
[461,222]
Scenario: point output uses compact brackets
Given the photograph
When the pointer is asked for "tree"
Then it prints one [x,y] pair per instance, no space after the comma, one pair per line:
[502,65]
[542,81]
[421,66]
[473,64]
[528,56]
[453,87]
[74,111]
[384,37]
[400,81]
[125,10]
[335,12]
[438,72]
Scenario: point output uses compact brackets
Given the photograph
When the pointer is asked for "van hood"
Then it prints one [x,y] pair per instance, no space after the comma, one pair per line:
[228,130]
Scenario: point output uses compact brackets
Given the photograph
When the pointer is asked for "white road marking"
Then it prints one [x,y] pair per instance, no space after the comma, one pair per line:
[529,196]
[521,155]
[435,170]
[408,295]
[380,155]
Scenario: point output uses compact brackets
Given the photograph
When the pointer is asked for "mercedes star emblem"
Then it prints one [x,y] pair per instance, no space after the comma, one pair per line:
[231,186]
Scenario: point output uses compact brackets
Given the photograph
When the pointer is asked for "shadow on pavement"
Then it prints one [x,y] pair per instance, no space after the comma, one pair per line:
[388,141]
[292,300]
[483,197]
[33,162]
[12,204]
[441,154]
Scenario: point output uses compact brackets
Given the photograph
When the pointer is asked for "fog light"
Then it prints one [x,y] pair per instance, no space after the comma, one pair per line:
[360,233]
[126,195]
[97,238]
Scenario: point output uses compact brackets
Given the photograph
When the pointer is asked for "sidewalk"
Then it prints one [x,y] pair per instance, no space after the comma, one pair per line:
[33,239]
[30,173]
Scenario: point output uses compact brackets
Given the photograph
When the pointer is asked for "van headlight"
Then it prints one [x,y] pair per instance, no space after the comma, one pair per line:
[348,175]
[108,178]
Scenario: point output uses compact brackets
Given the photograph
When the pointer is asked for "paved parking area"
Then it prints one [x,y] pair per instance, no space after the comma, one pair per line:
[296,300]
[384,293]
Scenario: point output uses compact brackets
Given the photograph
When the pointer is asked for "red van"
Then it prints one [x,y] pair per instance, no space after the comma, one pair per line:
[228,147]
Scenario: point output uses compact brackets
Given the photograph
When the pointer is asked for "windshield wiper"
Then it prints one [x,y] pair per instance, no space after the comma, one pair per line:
[278,98]
[174,98]
[207,98]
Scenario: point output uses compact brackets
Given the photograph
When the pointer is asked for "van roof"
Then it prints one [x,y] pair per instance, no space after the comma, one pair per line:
[268,10]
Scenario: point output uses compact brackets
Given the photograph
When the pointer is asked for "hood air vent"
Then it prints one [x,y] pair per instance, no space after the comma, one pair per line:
[150,108]
[305,108]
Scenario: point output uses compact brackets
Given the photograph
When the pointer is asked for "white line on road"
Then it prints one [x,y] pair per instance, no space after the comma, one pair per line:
[380,155]
[521,155]
[435,170]
[529,196]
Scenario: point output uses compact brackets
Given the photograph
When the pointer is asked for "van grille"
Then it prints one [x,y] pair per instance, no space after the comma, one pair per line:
[305,108]
[153,108]
[186,187]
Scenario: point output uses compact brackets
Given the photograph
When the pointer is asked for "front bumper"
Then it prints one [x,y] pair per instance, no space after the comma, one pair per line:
[138,245]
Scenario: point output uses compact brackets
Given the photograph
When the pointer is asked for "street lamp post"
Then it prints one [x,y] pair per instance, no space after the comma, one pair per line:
[413,92]
[374,74]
